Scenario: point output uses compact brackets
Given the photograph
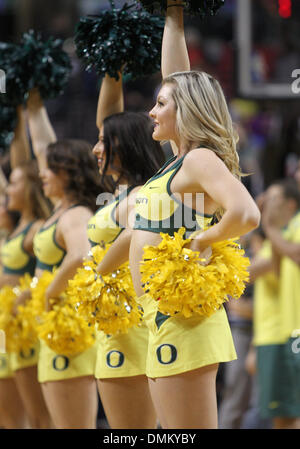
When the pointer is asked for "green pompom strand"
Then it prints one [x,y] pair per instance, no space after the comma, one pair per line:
[48,64]
[120,39]
[8,122]
[34,63]
[16,78]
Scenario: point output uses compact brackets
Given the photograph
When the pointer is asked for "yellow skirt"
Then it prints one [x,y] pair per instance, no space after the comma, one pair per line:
[53,366]
[24,359]
[123,355]
[178,344]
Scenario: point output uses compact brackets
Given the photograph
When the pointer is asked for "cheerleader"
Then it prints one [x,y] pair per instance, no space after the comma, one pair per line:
[24,195]
[12,412]
[191,112]
[128,154]
[68,171]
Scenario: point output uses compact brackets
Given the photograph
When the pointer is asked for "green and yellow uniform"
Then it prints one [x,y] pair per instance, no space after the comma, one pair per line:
[267,337]
[14,257]
[53,366]
[123,355]
[289,294]
[287,370]
[17,260]
[278,352]
[267,319]
[177,344]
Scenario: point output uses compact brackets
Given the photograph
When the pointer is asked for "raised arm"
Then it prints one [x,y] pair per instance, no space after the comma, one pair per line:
[41,131]
[174,57]
[3,182]
[111,100]
[19,149]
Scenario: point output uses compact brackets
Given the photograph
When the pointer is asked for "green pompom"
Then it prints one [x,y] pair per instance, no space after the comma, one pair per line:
[34,63]
[8,122]
[16,78]
[47,63]
[120,38]
[203,8]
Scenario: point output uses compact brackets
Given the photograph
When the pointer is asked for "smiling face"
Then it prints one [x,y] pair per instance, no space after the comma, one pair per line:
[100,153]
[164,115]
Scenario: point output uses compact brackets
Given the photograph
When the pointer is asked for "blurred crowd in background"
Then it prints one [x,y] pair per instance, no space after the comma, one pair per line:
[269,131]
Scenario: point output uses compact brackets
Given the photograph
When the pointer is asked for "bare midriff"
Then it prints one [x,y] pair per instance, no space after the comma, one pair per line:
[139,240]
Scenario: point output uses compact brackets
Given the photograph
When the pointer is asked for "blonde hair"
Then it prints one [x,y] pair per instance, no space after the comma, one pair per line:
[202,116]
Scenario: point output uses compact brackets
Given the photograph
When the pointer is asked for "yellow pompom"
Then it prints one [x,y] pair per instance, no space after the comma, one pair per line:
[18,329]
[106,301]
[7,299]
[64,331]
[29,315]
[173,276]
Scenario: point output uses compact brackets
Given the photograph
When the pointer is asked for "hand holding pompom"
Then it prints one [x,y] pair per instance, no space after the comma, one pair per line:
[176,277]
[108,301]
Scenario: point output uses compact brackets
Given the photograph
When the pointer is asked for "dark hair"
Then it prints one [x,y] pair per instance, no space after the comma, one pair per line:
[75,158]
[13,215]
[34,196]
[128,135]
[290,189]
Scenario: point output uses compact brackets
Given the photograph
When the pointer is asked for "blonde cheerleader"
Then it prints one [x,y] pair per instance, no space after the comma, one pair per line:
[191,112]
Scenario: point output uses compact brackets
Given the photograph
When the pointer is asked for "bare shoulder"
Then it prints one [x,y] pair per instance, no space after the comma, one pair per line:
[75,215]
[201,157]
[36,226]
[203,162]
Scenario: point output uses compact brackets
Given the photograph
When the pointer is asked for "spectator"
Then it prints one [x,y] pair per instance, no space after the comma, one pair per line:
[279,364]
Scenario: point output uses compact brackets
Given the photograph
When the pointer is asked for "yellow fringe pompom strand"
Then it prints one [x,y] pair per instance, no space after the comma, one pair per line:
[19,331]
[7,299]
[64,331]
[175,277]
[61,328]
[107,302]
